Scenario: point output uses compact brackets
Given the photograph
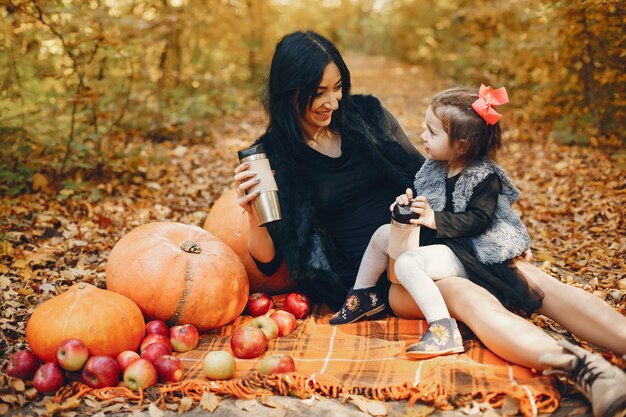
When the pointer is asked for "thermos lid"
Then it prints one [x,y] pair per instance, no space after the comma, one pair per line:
[252,150]
[402,214]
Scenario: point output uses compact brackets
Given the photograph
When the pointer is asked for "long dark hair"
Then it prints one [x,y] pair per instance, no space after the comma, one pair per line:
[465,128]
[298,65]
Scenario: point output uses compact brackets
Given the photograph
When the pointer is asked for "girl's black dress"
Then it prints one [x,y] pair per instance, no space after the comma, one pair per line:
[455,229]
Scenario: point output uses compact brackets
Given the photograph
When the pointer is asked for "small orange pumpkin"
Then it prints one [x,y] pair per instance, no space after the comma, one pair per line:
[179,274]
[228,221]
[106,322]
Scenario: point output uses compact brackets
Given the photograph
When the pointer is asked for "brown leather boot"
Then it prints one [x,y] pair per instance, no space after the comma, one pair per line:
[603,384]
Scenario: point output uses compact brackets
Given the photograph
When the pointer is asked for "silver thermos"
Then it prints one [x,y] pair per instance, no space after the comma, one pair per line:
[266,206]
[404,236]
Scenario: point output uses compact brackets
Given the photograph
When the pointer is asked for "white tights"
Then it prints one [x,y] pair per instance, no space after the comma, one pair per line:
[415,269]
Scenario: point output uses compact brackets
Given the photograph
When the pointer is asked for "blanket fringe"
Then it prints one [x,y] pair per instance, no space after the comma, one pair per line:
[297,385]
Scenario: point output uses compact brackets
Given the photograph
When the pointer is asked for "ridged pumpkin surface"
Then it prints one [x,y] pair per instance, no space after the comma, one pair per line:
[108,323]
[156,266]
[228,221]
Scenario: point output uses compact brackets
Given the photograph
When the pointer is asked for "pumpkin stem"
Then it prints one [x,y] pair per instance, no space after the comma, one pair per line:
[190,246]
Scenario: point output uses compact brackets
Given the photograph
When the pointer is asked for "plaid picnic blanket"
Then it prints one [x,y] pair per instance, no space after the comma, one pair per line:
[367,358]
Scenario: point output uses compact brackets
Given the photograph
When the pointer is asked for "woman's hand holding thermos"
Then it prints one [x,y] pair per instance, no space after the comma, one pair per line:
[244,180]
[256,186]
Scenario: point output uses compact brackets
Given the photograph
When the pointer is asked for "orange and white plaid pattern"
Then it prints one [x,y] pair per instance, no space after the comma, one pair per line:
[364,358]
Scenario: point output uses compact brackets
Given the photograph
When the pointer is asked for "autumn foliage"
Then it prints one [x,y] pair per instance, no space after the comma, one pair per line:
[84,84]
[563,61]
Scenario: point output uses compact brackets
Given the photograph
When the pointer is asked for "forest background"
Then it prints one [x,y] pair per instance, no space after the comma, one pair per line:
[84,83]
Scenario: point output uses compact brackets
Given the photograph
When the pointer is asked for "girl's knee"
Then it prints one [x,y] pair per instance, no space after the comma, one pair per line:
[407,263]
[380,238]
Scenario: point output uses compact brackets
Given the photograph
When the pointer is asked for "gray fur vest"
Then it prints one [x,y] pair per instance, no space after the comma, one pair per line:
[506,237]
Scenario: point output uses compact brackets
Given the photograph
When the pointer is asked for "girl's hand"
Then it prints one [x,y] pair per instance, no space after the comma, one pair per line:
[427,215]
[403,199]
[527,255]
[243,180]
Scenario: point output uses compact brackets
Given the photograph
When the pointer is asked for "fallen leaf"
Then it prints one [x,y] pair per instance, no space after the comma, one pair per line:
[113,408]
[31,393]
[41,258]
[246,405]
[18,384]
[9,398]
[472,410]
[155,411]
[310,402]
[278,412]
[376,408]
[6,248]
[171,406]
[210,401]
[490,412]
[93,405]
[372,407]
[510,407]
[185,405]
[266,401]
[419,411]
[53,407]
[359,402]
[20,264]
[25,290]
[4,409]
[40,182]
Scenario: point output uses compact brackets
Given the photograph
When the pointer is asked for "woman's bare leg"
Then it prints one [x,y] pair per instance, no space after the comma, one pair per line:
[504,333]
[580,312]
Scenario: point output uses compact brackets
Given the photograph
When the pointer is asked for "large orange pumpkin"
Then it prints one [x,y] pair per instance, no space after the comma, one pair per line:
[228,221]
[108,323]
[180,274]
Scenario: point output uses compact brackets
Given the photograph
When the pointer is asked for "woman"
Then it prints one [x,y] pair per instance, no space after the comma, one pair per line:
[340,160]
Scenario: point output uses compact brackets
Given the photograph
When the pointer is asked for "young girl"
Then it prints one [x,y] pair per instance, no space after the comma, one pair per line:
[469,228]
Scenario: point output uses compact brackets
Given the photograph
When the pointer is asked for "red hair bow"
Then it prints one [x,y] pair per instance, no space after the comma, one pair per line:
[487,98]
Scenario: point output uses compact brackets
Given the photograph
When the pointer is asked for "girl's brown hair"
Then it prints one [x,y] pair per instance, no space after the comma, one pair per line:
[470,136]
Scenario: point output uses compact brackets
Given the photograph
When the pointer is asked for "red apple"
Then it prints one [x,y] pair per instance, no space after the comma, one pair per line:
[170,368]
[259,303]
[184,338]
[285,321]
[248,342]
[140,374]
[219,365]
[157,327]
[23,364]
[298,304]
[267,326]
[277,364]
[100,371]
[72,354]
[155,351]
[154,338]
[49,378]
[125,358]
